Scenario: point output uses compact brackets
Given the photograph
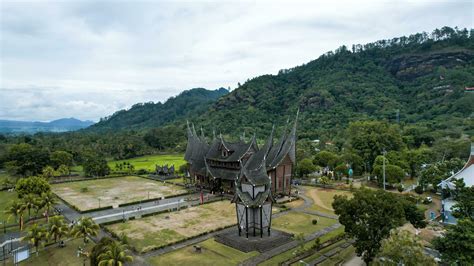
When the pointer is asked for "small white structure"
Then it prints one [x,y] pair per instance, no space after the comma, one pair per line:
[467,175]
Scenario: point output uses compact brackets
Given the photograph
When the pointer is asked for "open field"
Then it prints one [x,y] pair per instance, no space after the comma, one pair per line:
[291,253]
[323,198]
[149,162]
[6,198]
[54,255]
[212,253]
[163,229]
[298,222]
[113,191]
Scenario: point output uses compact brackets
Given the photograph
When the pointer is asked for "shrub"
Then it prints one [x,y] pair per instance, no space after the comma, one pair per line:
[419,189]
[400,188]
[84,189]
[315,221]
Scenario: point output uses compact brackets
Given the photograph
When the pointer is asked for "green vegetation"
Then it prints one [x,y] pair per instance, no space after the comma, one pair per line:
[297,222]
[59,256]
[371,214]
[6,200]
[149,162]
[213,253]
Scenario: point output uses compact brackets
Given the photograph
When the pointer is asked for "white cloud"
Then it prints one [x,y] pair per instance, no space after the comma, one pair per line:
[88,59]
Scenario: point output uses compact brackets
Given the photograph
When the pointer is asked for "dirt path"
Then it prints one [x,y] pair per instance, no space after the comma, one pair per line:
[313,193]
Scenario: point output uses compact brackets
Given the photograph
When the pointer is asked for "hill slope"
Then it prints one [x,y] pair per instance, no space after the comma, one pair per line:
[422,77]
[147,115]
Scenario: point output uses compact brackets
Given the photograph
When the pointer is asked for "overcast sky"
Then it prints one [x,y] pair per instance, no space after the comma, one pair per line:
[88,59]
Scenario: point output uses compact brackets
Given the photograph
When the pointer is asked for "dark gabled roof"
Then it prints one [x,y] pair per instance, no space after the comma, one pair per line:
[223,173]
[238,149]
[195,152]
[286,146]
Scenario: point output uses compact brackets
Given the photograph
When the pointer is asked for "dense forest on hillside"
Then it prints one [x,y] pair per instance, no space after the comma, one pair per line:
[415,83]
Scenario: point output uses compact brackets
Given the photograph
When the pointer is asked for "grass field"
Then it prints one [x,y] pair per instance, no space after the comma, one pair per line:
[212,253]
[54,256]
[162,229]
[298,222]
[149,162]
[113,191]
[323,198]
[291,253]
[6,198]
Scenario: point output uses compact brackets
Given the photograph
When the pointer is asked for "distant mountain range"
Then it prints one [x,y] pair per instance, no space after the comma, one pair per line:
[60,125]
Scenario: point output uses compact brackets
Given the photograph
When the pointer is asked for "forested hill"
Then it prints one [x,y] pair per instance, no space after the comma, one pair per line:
[147,115]
[422,77]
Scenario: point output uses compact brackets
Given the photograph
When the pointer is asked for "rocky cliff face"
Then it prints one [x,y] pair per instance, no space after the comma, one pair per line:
[414,66]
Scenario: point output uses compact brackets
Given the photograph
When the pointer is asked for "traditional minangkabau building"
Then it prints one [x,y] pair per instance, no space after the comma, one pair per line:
[219,164]
[253,174]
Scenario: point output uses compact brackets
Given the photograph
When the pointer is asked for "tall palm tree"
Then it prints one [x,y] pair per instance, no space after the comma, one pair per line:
[85,227]
[114,255]
[16,209]
[29,202]
[36,236]
[57,228]
[48,201]
[38,205]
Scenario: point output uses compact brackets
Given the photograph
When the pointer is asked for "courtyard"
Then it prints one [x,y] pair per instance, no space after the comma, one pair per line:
[163,229]
[91,194]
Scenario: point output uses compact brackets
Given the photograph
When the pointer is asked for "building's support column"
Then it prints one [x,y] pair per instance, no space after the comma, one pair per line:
[261,222]
[247,221]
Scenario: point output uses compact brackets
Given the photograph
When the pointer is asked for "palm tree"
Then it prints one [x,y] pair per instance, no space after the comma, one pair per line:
[114,255]
[57,228]
[16,209]
[29,201]
[38,205]
[48,201]
[36,236]
[85,227]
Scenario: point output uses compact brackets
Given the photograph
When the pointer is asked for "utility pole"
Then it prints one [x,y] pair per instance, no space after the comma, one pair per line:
[384,153]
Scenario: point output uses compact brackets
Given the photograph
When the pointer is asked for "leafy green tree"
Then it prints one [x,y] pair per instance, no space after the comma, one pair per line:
[456,246]
[24,159]
[85,227]
[402,248]
[95,165]
[36,236]
[114,255]
[305,167]
[393,174]
[99,249]
[325,159]
[48,200]
[368,217]
[59,158]
[370,138]
[29,201]
[63,170]
[464,196]
[48,172]
[57,228]
[16,209]
[32,185]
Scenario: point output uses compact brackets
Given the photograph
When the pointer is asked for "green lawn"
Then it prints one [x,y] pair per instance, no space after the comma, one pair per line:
[276,260]
[6,198]
[54,255]
[213,253]
[149,162]
[323,198]
[297,222]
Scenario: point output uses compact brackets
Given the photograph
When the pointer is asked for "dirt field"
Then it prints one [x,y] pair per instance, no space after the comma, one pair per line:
[85,195]
[323,198]
[165,228]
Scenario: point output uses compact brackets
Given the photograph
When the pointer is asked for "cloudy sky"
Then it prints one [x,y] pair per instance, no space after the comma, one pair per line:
[88,59]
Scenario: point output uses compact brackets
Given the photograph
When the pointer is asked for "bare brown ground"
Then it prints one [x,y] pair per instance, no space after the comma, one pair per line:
[113,191]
